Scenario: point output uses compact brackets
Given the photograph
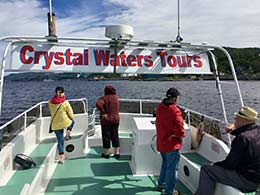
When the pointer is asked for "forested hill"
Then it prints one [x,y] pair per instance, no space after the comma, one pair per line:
[246,61]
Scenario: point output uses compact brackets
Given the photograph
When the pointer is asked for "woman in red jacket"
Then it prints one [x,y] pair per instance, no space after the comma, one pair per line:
[170,132]
[108,106]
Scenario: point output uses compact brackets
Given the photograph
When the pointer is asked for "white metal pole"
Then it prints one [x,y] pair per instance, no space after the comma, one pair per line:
[50,27]
[234,74]
[3,73]
[50,4]
[226,137]
[179,18]
[219,88]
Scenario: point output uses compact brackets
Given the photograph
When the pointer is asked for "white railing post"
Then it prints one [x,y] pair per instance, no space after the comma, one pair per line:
[141,109]
[3,73]
[189,117]
[26,189]
[40,110]
[25,120]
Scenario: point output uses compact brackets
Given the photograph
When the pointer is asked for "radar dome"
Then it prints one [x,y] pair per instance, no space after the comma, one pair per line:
[119,32]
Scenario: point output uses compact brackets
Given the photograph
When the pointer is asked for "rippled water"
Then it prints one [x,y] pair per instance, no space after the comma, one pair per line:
[201,96]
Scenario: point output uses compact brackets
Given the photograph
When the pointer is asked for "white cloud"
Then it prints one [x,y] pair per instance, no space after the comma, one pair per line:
[232,23]
[229,23]
[22,18]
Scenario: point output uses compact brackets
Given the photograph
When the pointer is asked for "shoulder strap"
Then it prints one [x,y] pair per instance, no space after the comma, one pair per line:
[55,113]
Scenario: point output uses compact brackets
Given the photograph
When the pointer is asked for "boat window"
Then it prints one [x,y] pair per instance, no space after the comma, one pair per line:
[129,106]
[149,107]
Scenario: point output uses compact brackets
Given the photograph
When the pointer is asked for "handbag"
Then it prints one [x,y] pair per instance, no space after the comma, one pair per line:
[50,130]
[24,161]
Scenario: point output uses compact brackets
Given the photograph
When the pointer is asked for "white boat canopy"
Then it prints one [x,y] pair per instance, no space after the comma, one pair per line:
[56,54]
[98,56]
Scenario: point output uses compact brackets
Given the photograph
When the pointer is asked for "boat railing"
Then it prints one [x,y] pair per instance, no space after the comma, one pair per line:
[148,107]
[19,123]
[92,121]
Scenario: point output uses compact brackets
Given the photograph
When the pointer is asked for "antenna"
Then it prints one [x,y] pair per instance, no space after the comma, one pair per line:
[179,38]
[51,24]
[50,4]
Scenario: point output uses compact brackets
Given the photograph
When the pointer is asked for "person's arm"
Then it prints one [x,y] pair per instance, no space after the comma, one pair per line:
[229,128]
[180,134]
[235,155]
[180,124]
[100,105]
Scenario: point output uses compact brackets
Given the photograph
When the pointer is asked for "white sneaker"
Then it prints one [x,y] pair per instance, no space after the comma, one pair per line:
[59,161]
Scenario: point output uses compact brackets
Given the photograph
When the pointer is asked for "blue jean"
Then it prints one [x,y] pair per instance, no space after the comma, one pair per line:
[59,134]
[60,138]
[169,170]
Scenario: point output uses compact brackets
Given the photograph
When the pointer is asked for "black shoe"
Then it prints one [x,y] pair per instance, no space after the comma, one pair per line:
[163,192]
[116,156]
[159,188]
[105,156]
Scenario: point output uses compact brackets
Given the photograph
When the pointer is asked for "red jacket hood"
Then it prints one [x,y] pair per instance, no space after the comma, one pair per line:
[57,100]
[110,90]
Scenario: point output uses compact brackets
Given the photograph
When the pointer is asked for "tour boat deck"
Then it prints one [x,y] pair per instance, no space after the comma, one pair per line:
[20,177]
[95,175]
[91,174]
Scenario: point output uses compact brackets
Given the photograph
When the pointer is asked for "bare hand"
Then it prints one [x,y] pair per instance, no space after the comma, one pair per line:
[229,128]
[174,136]
[104,115]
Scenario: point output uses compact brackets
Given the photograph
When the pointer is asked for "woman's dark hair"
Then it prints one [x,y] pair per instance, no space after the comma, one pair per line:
[59,89]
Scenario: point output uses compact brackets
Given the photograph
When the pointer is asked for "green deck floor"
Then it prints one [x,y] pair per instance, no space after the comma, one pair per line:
[196,158]
[20,177]
[94,175]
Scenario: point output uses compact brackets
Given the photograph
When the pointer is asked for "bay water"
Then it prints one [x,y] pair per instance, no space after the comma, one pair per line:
[201,96]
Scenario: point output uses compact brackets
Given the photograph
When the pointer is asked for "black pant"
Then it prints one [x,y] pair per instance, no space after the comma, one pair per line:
[110,133]
[211,174]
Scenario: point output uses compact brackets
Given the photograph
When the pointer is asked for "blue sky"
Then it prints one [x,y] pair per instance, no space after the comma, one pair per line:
[233,23]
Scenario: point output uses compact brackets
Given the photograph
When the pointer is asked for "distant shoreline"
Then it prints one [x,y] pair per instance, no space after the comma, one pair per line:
[49,77]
